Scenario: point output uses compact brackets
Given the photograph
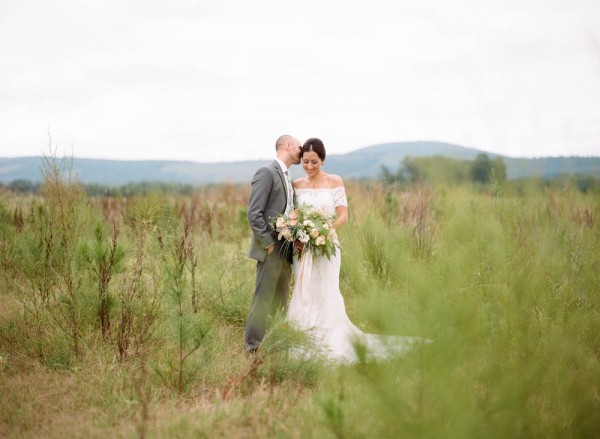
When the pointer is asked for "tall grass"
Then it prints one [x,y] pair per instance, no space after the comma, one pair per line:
[124,317]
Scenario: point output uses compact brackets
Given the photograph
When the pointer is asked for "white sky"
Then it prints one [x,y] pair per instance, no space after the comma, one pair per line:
[217,80]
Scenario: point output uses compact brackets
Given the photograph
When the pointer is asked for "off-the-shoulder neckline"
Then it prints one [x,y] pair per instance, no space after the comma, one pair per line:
[318,188]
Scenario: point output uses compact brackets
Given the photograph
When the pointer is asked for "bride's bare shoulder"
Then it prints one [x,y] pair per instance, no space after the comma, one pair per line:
[335,180]
[300,183]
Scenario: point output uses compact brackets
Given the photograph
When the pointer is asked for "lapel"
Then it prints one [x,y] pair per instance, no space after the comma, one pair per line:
[282,177]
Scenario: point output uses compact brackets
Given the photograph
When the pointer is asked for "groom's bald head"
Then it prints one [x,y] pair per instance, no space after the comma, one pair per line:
[283,141]
[288,150]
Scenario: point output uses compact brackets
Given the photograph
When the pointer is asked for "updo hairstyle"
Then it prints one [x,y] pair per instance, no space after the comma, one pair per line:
[315,145]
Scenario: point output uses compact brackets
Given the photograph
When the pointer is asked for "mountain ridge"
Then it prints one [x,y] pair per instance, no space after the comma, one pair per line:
[364,162]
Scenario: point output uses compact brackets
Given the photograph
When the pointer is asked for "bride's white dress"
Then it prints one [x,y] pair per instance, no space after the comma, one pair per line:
[317,306]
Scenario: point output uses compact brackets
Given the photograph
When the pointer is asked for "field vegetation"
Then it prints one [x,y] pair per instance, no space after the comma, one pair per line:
[123,316]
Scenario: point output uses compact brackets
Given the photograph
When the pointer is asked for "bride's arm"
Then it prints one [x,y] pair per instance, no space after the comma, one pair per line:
[341,204]
[342,217]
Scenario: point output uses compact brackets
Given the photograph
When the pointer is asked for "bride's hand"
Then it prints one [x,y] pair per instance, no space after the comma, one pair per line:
[299,246]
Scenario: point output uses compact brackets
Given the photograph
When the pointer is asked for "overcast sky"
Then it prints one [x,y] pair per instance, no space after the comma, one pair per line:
[217,80]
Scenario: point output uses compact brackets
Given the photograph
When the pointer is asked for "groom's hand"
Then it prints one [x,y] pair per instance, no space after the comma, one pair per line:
[271,248]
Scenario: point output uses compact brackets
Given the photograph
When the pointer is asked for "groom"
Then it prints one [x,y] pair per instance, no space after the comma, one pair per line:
[271,195]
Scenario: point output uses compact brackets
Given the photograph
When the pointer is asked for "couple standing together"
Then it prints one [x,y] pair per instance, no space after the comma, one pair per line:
[316,306]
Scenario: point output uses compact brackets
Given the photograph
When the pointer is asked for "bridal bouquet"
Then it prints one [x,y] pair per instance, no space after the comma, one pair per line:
[311,226]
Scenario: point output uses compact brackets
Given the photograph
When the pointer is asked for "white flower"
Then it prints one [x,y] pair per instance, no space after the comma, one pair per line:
[280,222]
[286,233]
[326,226]
[314,232]
[320,240]
[303,237]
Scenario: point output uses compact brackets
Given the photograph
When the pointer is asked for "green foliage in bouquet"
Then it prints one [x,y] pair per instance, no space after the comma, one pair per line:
[312,226]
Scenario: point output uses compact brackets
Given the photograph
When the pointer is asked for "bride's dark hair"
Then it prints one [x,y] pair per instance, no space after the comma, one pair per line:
[315,145]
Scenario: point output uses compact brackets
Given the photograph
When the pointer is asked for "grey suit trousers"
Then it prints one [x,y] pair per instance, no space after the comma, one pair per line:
[270,294]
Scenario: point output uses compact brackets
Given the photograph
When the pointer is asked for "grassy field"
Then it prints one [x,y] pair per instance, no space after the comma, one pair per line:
[125,317]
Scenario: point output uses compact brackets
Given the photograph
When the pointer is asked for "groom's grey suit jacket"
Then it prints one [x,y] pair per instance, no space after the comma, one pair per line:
[268,199]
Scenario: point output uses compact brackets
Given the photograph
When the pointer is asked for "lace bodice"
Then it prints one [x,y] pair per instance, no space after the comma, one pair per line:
[326,198]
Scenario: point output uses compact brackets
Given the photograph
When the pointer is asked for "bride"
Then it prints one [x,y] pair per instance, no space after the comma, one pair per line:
[317,306]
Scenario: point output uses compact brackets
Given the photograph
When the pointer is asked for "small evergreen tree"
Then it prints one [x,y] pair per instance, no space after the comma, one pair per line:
[481,169]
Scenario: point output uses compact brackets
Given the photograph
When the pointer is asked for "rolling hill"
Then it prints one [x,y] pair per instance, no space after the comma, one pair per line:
[362,163]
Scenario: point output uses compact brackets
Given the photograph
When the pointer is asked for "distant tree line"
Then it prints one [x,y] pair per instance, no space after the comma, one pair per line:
[482,170]
[99,190]
[21,187]
[142,188]
[438,169]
